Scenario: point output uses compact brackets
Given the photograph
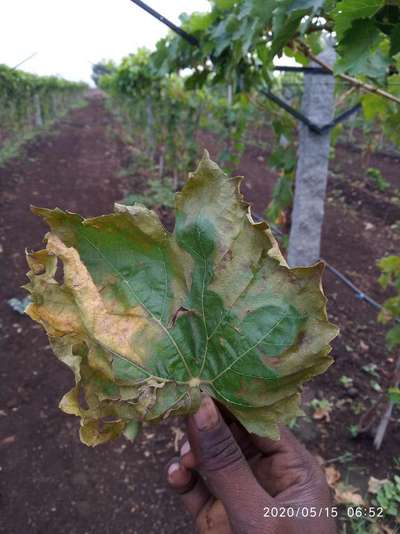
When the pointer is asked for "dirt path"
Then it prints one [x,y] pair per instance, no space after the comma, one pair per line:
[49,482]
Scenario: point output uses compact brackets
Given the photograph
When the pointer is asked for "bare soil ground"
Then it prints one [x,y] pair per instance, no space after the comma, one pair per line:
[49,482]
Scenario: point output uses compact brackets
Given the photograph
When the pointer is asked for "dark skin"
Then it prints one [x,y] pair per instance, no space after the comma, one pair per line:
[227,477]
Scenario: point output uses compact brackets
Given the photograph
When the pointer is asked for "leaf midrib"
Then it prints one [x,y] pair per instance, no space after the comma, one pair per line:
[166,331]
[152,316]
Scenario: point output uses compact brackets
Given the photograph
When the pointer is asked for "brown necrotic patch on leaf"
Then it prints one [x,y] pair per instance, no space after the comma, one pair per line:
[113,331]
[147,320]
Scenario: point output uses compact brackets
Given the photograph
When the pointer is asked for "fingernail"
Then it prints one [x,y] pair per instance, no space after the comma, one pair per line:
[185,448]
[206,418]
[173,468]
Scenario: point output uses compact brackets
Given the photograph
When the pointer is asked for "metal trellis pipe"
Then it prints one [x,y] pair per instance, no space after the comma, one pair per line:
[191,39]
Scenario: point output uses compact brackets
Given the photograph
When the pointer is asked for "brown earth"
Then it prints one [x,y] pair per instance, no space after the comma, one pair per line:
[49,481]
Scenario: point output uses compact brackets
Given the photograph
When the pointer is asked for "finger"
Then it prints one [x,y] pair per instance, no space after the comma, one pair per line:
[286,465]
[189,485]
[244,441]
[251,444]
[242,437]
[287,443]
[188,458]
[221,460]
[287,453]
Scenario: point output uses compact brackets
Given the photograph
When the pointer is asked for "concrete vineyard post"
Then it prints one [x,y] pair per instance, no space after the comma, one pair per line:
[38,111]
[318,104]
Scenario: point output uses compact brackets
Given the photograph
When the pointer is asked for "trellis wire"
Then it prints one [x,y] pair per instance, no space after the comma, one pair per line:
[24,61]
[191,39]
[305,120]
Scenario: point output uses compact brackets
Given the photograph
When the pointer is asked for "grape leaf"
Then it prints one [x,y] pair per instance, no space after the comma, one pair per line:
[395,40]
[298,5]
[359,52]
[348,11]
[147,320]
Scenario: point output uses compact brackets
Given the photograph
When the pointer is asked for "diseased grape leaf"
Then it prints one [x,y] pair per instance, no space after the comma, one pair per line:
[147,320]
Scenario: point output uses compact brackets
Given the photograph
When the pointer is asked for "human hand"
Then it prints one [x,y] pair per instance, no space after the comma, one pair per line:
[228,479]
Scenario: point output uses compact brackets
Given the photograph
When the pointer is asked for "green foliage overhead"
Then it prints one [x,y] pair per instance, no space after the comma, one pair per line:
[239,43]
[363,37]
[147,320]
[347,12]
[239,40]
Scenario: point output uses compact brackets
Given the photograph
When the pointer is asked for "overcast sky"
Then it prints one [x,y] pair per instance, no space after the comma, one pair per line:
[69,35]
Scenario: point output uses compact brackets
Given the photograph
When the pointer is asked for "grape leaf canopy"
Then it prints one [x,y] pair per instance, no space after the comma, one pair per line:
[147,319]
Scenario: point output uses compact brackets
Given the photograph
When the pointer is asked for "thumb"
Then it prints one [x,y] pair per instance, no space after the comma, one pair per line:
[222,464]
